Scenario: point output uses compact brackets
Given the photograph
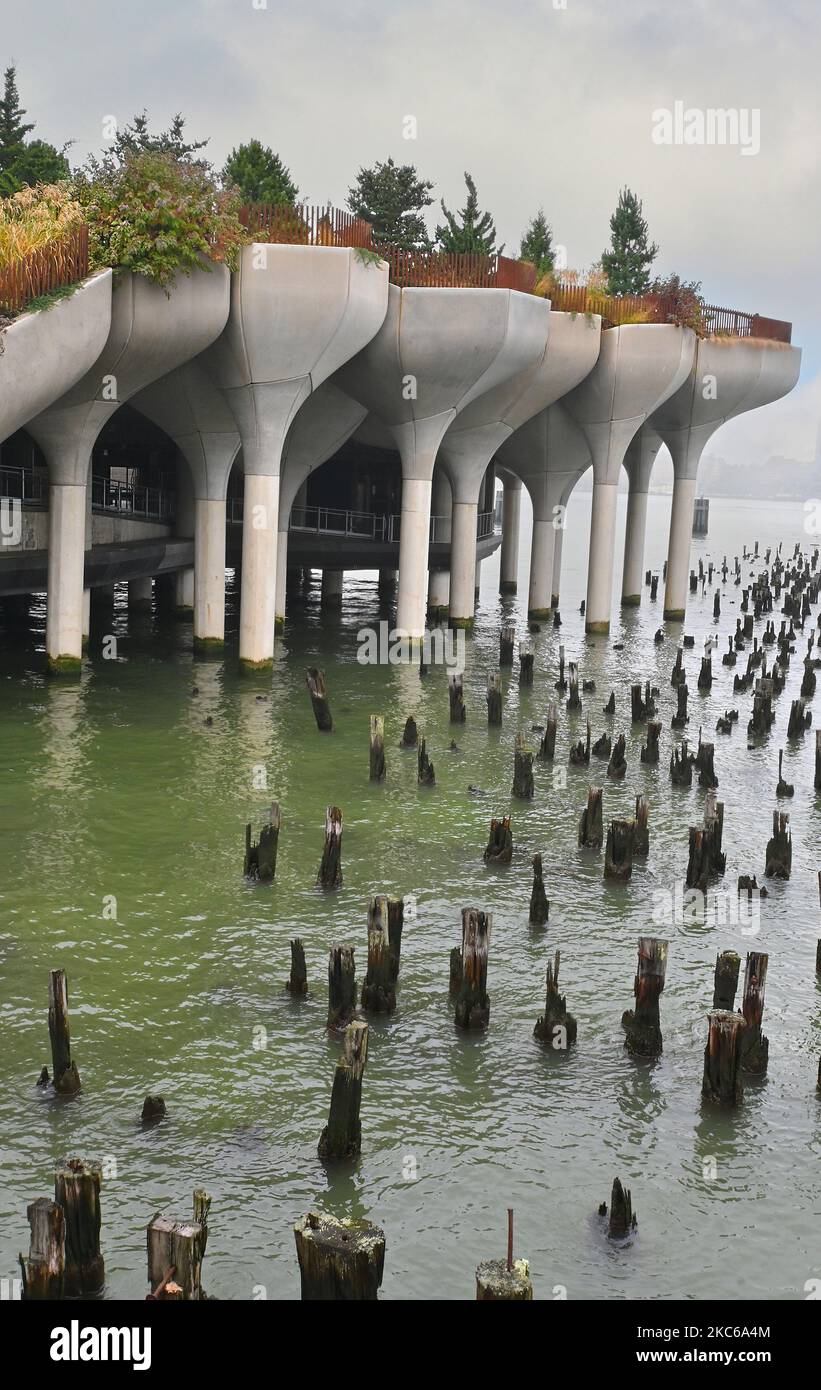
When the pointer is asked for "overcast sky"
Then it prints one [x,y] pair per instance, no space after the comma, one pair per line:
[544,103]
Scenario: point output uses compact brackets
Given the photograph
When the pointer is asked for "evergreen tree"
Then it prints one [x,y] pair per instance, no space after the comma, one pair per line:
[391,197]
[627,263]
[472,230]
[259,174]
[136,138]
[537,244]
[21,161]
[13,129]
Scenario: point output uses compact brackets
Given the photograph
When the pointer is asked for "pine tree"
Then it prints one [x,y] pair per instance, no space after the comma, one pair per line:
[472,230]
[13,129]
[537,244]
[391,197]
[24,161]
[136,138]
[627,263]
[259,174]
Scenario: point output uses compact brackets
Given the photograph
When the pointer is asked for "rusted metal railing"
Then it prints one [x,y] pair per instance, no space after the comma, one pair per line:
[471,270]
[306,226]
[63,262]
[733,324]
[709,319]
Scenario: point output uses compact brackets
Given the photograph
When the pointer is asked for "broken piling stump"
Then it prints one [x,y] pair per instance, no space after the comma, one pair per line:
[522,770]
[396,923]
[499,848]
[778,862]
[410,733]
[507,638]
[330,868]
[681,765]
[456,972]
[621,1222]
[472,1002]
[722,1082]
[650,749]
[547,747]
[378,993]
[618,851]
[641,832]
[377,749]
[755,1047]
[65,1077]
[341,1138]
[424,767]
[341,986]
[261,858]
[526,655]
[174,1252]
[315,680]
[785,788]
[591,831]
[610,707]
[153,1110]
[707,774]
[580,752]
[642,1025]
[494,697]
[555,1026]
[602,748]
[725,981]
[539,905]
[77,1191]
[339,1260]
[456,698]
[297,982]
[680,719]
[573,699]
[617,766]
[43,1272]
[504,1281]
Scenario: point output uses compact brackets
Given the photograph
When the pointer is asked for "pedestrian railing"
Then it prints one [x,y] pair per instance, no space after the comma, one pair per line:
[705,319]
[371,526]
[132,499]
[279,223]
[26,484]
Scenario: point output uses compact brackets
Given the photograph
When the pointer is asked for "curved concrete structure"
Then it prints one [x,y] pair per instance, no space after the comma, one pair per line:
[151,332]
[328,418]
[729,376]
[297,314]
[549,454]
[442,508]
[438,350]
[639,367]
[44,354]
[638,464]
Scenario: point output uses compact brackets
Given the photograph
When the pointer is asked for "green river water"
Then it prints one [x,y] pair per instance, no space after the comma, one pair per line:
[114,787]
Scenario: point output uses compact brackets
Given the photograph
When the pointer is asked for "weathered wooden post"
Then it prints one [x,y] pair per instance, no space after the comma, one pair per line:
[818,759]
[342,1136]
[330,868]
[610,707]
[175,1250]
[297,983]
[574,699]
[77,1191]
[494,697]
[603,747]
[341,986]
[473,1003]
[43,1272]
[456,972]
[755,1048]
[778,863]
[65,1077]
[539,905]
[650,749]
[504,1281]
[641,832]
[617,766]
[783,788]
[591,831]
[526,655]
[499,848]
[678,675]
[396,923]
[556,1026]
[261,858]
[315,680]
[154,1110]
[456,698]
[424,769]
[622,1221]
[507,638]
[681,717]
[410,733]
[377,749]
[378,993]
[339,1261]
[580,752]
[522,770]
[722,1082]
[547,747]
[681,765]
[618,851]
[725,981]
[561,683]
[707,773]
[799,720]
[642,1025]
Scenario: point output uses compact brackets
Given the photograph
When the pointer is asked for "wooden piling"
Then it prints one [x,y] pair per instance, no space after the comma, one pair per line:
[580,752]
[622,1222]
[261,858]
[424,769]
[396,923]
[778,863]
[591,831]
[707,773]
[783,788]
[547,747]
[174,1246]
[680,719]
[330,868]
[507,638]
[555,1026]
[297,982]
[641,831]
[618,851]
[43,1272]
[818,759]
[410,733]
[539,905]
[499,848]
[154,1110]
[473,1003]
[755,1046]
[526,655]
[65,1077]
[378,993]
[456,698]
[722,1081]
[573,699]
[642,1025]
[341,1139]
[341,986]
[725,981]
[340,1261]
[603,747]
[650,749]
[77,1191]
[681,765]
[494,698]
[315,680]
[617,766]
[522,770]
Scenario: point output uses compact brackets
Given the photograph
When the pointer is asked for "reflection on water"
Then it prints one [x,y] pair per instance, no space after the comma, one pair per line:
[130,789]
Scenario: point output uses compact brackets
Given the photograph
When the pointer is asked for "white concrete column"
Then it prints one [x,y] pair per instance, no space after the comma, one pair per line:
[600,564]
[557,566]
[66,559]
[509,559]
[414,540]
[140,595]
[86,616]
[438,593]
[542,553]
[259,560]
[678,549]
[282,580]
[184,590]
[441,509]
[463,563]
[209,573]
[331,596]
[633,573]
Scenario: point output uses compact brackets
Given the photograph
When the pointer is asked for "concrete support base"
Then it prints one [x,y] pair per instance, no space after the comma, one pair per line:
[66,562]
[678,549]
[636,529]
[283,577]
[331,595]
[509,558]
[413,558]
[259,568]
[86,618]
[463,564]
[600,565]
[209,575]
[557,566]
[542,551]
[184,592]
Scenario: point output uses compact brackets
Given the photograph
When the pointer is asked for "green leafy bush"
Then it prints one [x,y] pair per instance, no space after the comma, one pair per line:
[158,216]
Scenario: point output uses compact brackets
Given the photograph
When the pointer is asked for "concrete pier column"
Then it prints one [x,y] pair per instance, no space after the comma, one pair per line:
[331,596]
[441,508]
[463,563]
[184,591]
[509,559]
[282,581]
[557,568]
[633,573]
[140,595]
[678,549]
[66,560]
[438,593]
[413,557]
[542,556]
[259,567]
[209,574]
[600,565]
[86,617]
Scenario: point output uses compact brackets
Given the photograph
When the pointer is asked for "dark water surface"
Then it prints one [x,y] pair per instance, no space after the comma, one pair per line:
[114,787]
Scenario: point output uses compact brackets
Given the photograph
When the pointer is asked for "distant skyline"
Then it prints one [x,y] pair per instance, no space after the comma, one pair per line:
[545,104]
